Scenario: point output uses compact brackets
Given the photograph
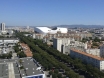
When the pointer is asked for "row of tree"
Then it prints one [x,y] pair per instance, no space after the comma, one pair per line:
[77,63]
[6,56]
[19,51]
[46,60]
[96,39]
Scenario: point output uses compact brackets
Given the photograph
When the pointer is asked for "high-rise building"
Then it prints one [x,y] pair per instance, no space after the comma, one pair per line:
[2,26]
[27,27]
[61,44]
[102,51]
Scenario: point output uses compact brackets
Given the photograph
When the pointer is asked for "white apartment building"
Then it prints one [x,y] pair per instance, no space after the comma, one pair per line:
[88,58]
[61,43]
[3,31]
[50,36]
[37,36]
[27,30]
[78,44]
[102,51]
[64,44]
[2,26]
[9,40]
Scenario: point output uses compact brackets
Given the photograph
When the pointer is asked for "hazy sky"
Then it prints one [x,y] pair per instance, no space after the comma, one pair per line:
[51,12]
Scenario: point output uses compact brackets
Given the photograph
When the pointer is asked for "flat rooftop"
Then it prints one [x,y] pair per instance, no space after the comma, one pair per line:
[86,54]
[30,67]
[8,67]
[12,66]
[3,71]
[26,49]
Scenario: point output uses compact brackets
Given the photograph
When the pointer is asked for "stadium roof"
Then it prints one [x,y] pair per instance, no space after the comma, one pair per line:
[45,30]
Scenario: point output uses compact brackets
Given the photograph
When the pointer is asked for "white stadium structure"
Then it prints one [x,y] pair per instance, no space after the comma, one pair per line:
[44,30]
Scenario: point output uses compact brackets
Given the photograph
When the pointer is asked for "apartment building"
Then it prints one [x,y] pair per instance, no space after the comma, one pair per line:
[88,58]
[61,43]
[9,40]
[30,30]
[102,51]
[37,36]
[64,44]
[49,36]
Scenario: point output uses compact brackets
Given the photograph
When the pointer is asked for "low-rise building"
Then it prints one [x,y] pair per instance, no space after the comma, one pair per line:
[31,69]
[26,49]
[9,40]
[20,68]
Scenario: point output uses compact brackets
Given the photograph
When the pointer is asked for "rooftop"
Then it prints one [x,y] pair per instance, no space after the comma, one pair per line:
[30,68]
[26,49]
[12,66]
[5,68]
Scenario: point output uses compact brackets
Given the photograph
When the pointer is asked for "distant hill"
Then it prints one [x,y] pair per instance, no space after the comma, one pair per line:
[82,26]
[67,26]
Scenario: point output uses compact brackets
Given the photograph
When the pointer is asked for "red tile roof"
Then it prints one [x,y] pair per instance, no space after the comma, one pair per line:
[26,49]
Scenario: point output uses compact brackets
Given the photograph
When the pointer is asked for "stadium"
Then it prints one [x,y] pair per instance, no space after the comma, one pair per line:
[44,30]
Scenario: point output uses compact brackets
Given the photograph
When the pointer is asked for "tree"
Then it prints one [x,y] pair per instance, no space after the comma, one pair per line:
[59,75]
[16,48]
[21,67]
[9,55]
[97,39]
[54,75]
[90,38]
[56,71]
[46,55]
[95,44]
[21,54]
[50,72]
[20,61]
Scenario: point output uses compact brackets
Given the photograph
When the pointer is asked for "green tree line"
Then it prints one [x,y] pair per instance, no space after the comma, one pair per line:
[50,57]
[46,60]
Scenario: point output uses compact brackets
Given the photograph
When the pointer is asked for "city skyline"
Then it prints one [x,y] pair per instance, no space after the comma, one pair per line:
[51,13]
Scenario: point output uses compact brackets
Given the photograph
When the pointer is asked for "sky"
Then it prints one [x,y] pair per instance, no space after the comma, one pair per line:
[51,12]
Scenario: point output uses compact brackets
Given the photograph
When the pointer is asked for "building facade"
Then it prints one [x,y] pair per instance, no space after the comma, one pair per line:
[61,44]
[2,26]
[88,58]
[37,36]
[102,51]
[32,69]
[9,40]
[45,30]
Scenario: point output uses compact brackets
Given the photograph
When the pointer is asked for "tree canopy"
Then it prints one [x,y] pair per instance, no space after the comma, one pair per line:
[53,60]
